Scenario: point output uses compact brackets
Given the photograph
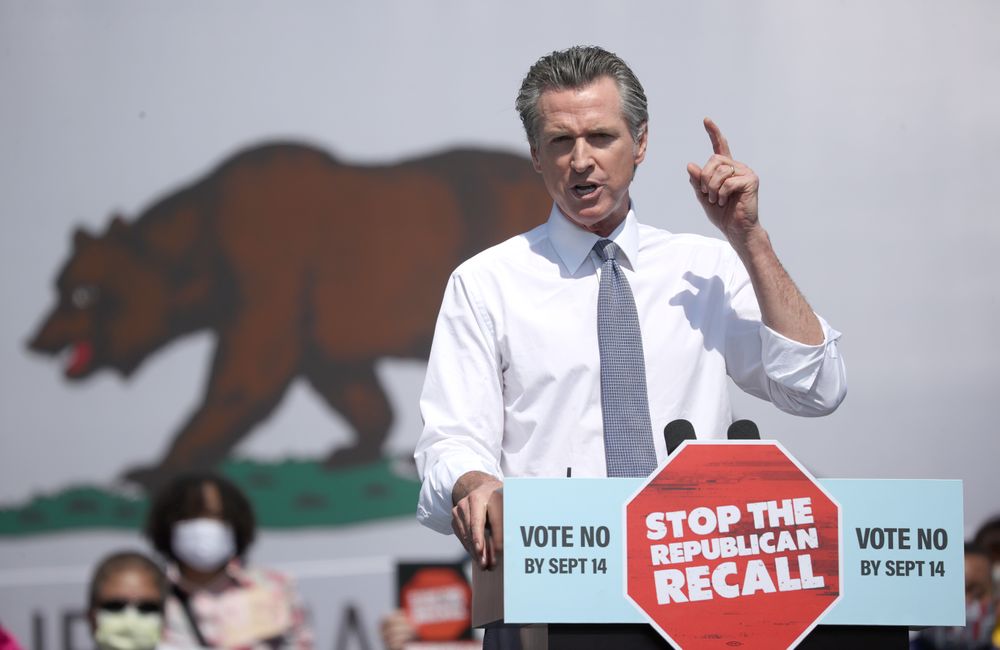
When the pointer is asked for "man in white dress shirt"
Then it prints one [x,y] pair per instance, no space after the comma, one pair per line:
[513,381]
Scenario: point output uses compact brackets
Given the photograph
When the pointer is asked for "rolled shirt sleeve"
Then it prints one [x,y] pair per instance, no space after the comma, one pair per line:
[801,379]
[806,380]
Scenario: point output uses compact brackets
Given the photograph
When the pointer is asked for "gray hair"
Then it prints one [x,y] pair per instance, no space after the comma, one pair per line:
[577,67]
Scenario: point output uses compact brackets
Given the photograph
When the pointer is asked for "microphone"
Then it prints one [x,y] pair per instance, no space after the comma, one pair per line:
[677,432]
[743,430]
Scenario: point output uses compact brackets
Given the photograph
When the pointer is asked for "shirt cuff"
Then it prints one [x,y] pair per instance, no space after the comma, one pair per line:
[792,364]
[434,505]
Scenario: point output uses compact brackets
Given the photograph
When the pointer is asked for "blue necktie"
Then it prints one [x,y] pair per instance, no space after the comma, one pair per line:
[628,435]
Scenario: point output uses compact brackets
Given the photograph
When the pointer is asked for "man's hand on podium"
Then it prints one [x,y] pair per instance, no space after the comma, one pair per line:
[477,517]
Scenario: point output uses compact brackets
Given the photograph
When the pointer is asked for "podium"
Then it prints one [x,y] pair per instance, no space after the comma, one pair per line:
[487,609]
[900,565]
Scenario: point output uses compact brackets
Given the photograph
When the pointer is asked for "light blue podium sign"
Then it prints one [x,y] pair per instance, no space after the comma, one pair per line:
[902,549]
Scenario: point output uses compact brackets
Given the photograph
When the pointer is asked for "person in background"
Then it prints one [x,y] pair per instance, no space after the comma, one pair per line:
[125,606]
[980,610]
[397,630]
[988,539]
[203,524]
[7,640]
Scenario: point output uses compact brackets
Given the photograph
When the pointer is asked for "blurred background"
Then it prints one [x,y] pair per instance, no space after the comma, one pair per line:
[873,128]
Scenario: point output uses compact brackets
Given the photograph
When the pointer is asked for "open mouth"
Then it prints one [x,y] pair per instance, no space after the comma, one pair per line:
[585,190]
[79,357]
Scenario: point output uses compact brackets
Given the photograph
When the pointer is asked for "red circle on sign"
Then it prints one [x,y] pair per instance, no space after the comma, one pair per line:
[732,545]
[437,602]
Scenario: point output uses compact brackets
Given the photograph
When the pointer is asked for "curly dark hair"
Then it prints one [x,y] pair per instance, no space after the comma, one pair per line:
[183,498]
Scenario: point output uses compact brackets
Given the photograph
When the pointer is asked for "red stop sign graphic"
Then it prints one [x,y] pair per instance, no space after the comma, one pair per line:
[732,545]
[438,601]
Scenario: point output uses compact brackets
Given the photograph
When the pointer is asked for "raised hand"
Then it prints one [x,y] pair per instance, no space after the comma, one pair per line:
[726,189]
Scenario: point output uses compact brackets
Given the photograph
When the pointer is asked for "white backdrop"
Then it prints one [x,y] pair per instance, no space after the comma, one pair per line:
[873,127]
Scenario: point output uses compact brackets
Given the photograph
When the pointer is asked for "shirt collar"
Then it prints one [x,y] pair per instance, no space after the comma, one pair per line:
[573,244]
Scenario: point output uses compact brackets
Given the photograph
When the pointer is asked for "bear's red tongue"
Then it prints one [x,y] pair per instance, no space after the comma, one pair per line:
[80,358]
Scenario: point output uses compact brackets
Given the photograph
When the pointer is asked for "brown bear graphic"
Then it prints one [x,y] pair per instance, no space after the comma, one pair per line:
[302,265]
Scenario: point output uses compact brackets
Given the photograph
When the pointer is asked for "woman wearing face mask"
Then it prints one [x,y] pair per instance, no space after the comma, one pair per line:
[204,525]
[127,595]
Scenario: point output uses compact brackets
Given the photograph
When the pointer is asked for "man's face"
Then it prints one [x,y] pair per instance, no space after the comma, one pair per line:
[586,154]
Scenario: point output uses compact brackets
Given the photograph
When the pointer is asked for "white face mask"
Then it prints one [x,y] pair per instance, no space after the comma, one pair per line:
[128,629]
[203,544]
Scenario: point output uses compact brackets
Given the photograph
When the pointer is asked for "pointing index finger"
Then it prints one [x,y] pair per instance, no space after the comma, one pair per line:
[719,143]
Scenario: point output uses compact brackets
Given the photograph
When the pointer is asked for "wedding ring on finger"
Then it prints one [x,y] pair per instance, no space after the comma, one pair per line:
[732,173]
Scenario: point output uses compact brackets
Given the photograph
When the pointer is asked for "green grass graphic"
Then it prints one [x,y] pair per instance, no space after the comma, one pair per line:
[286,494]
